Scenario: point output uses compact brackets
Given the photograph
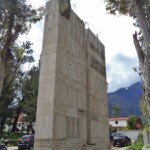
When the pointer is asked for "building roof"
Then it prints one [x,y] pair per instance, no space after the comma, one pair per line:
[118,119]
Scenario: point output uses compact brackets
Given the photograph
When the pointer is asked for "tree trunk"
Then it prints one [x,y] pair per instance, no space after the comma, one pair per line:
[28,128]
[7,44]
[144,25]
[16,120]
[147,79]
[139,51]
[2,71]
[2,125]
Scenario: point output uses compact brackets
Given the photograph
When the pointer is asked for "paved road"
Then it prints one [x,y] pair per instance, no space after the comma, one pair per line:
[12,148]
[118,148]
[133,134]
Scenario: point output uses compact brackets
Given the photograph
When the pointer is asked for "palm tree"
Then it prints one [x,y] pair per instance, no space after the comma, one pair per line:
[116,110]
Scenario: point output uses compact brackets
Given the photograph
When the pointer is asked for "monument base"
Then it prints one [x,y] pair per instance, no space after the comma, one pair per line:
[48,145]
[98,147]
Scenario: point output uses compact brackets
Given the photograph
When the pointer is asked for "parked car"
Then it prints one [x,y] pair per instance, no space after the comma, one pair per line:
[114,134]
[121,140]
[26,142]
[3,147]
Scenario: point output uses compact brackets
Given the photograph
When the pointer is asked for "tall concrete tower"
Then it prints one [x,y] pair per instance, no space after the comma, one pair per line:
[72,109]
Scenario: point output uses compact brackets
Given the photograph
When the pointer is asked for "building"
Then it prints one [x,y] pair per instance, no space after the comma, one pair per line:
[118,122]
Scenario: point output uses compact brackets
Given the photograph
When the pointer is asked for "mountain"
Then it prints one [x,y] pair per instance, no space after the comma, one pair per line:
[128,99]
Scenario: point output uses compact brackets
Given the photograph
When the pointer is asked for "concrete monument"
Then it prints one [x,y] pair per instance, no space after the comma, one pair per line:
[72,111]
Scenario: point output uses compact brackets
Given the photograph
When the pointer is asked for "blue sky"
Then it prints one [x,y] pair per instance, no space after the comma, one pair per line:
[115,32]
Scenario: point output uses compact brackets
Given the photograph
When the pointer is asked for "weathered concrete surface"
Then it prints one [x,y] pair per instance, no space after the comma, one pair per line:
[72,111]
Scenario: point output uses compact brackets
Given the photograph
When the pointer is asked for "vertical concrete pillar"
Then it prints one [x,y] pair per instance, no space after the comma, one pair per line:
[72,101]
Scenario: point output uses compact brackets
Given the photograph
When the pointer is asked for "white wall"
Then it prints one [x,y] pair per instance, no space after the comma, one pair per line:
[121,123]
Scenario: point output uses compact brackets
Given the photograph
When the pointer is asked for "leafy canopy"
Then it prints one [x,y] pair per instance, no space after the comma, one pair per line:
[127,7]
[133,122]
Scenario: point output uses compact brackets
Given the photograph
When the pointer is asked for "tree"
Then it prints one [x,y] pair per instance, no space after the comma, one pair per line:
[29,92]
[16,17]
[6,99]
[21,55]
[116,110]
[134,122]
[140,11]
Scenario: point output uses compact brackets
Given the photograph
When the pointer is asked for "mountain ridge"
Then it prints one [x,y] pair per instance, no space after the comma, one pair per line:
[128,99]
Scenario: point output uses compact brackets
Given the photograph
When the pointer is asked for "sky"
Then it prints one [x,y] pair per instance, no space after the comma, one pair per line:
[115,32]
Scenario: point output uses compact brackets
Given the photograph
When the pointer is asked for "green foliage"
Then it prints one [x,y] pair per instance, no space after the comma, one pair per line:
[12,138]
[10,135]
[10,92]
[138,144]
[29,92]
[122,6]
[116,110]
[16,18]
[112,129]
[147,146]
[126,7]
[143,105]
[145,122]
[133,122]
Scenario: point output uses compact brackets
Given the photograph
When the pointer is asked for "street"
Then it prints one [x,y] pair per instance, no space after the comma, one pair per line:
[118,148]
[12,148]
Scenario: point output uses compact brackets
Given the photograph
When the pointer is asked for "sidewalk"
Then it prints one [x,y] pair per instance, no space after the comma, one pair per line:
[118,148]
[12,148]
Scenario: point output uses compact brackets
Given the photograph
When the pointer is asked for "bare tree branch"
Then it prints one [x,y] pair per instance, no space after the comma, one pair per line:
[139,50]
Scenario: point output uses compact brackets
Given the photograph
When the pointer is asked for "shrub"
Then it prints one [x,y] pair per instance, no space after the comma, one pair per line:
[147,146]
[138,143]
[11,139]
[134,122]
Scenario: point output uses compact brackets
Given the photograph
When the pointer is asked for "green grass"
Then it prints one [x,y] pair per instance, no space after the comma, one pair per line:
[12,138]
[12,135]
[138,144]
[147,146]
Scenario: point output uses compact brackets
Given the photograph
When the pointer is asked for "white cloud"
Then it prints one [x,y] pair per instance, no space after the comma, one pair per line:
[36,3]
[120,72]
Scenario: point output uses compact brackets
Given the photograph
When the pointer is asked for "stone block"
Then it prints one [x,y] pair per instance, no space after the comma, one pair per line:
[61,93]
[46,92]
[72,127]
[60,127]
[72,97]
[44,124]
[81,100]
